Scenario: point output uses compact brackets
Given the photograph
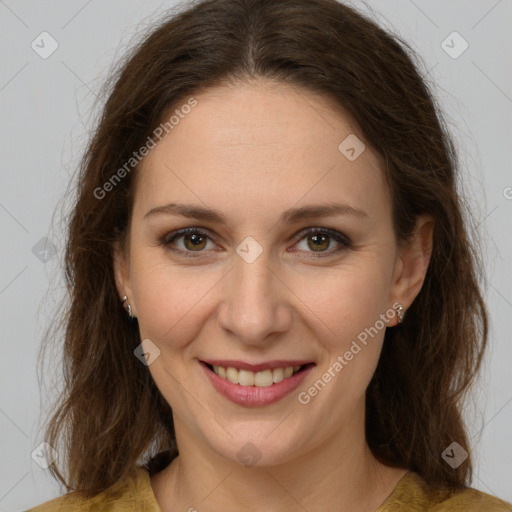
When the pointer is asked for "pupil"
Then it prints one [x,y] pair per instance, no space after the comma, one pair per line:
[319,240]
[195,239]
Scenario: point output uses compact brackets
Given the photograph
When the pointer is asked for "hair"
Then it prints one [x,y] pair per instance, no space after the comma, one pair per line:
[110,414]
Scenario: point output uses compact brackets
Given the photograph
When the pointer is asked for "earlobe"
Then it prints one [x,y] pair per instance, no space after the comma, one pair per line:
[122,275]
[414,259]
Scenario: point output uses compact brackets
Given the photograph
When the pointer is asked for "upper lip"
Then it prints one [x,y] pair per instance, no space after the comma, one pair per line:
[267,365]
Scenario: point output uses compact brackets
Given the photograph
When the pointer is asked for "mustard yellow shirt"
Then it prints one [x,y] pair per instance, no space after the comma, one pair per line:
[134,494]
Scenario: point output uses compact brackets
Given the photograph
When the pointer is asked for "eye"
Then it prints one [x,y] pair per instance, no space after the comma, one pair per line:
[318,240]
[193,241]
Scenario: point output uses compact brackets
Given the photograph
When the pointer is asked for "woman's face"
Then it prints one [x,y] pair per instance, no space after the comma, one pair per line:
[268,278]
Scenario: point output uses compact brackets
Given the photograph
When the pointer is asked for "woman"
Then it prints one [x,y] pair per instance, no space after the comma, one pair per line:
[274,300]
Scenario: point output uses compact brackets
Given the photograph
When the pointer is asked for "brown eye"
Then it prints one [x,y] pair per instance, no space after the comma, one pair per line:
[323,242]
[187,242]
[194,241]
[318,242]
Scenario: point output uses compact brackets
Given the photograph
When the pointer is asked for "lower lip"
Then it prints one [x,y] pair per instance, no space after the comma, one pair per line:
[253,396]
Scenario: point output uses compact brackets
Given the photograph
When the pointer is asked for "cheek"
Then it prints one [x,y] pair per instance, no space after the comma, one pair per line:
[344,317]
[344,301]
[171,300]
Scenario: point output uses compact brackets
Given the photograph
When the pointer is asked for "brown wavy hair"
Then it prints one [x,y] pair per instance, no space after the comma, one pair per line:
[110,415]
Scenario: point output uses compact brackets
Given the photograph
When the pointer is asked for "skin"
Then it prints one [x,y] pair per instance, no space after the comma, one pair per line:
[253,151]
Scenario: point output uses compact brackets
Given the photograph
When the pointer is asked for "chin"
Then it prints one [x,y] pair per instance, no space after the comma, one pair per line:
[257,450]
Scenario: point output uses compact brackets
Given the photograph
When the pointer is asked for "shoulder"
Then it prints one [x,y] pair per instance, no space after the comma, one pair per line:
[412,493]
[471,500]
[131,493]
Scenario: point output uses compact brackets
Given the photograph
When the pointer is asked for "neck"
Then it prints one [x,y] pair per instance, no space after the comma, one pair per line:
[342,475]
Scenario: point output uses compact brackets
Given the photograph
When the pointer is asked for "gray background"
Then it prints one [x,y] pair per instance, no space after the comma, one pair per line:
[46,112]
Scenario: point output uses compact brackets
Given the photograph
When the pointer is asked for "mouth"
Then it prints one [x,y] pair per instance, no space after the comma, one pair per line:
[256,385]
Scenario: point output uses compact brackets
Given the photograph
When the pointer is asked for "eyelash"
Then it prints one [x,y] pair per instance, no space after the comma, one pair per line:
[344,242]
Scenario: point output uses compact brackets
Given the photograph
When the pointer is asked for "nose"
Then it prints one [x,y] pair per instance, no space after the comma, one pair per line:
[256,302]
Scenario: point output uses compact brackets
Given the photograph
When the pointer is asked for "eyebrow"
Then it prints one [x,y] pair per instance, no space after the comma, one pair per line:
[290,216]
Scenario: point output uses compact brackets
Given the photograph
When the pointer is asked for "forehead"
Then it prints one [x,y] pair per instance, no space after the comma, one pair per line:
[263,143]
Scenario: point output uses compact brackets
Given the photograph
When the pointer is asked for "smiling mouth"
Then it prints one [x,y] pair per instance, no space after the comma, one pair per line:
[262,379]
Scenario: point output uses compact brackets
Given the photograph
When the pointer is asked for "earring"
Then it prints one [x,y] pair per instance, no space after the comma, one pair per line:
[400,313]
[128,306]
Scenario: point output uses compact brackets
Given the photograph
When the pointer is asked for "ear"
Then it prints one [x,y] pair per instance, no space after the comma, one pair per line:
[122,275]
[412,263]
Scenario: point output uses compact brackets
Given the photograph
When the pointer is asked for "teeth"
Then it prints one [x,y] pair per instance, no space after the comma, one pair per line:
[232,375]
[277,375]
[246,378]
[261,379]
